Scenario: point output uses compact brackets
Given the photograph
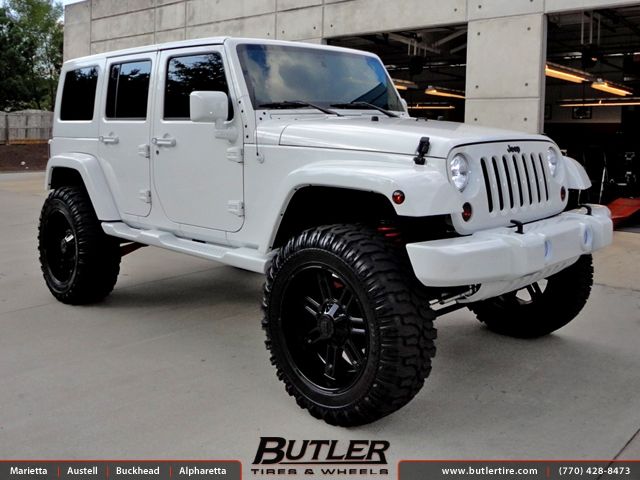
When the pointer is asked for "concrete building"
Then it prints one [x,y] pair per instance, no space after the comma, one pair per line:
[506,40]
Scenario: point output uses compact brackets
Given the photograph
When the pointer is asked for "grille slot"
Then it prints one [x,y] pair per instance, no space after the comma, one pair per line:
[508,173]
[515,181]
[487,183]
[544,176]
[498,182]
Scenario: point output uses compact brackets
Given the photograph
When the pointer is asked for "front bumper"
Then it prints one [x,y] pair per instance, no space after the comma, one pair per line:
[502,260]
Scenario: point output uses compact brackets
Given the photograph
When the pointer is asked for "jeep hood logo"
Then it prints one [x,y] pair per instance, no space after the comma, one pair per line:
[513,149]
[277,450]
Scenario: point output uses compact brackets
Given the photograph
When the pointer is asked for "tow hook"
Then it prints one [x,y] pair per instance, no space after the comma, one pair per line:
[519,226]
[588,208]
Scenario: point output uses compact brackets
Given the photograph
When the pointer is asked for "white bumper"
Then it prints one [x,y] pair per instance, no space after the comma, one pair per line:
[502,260]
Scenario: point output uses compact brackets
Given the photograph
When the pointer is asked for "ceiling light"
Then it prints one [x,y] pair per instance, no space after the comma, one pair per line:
[431,107]
[607,87]
[601,102]
[441,92]
[403,84]
[566,74]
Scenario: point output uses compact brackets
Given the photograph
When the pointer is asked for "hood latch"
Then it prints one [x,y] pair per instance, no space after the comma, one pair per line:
[423,150]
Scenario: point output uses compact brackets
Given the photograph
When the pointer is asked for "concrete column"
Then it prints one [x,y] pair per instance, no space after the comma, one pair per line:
[505,69]
[77,30]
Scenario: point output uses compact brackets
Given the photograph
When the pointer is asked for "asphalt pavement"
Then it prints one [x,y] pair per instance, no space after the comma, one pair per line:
[173,365]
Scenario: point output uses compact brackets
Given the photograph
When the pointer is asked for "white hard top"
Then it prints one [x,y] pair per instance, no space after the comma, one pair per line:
[200,42]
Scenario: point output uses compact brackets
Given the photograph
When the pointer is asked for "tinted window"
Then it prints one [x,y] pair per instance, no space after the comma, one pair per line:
[189,74]
[78,94]
[279,73]
[128,92]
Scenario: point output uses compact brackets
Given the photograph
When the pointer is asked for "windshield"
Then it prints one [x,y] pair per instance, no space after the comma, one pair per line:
[277,73]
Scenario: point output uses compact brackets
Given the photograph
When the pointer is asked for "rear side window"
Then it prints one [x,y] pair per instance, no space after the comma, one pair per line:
[79,94]
[128,90]
[189,74]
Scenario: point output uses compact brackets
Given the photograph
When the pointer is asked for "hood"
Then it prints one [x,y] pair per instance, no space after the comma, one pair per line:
[388,135]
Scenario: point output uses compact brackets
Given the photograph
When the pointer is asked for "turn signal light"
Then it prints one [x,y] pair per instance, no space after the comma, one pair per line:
[467,212]
[398,197]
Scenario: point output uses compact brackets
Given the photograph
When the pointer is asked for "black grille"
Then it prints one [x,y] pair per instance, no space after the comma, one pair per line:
[515,181]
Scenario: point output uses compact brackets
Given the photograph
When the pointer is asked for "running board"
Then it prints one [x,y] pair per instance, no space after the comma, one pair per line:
[245,258]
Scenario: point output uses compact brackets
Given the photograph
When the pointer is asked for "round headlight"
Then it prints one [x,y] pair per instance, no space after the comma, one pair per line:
[459,168]
[552,161]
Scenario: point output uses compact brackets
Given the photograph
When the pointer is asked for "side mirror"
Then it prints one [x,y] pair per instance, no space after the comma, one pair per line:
[405,105]
[209,107]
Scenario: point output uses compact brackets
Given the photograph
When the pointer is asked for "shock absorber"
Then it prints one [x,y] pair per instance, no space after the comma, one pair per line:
[391,232]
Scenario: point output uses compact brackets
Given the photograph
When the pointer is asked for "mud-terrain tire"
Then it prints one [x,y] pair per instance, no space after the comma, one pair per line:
[544,312]
[348,325]
[79,262]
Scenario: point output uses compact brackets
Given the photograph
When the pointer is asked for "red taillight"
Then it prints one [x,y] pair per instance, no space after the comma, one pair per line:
[398,197]
[467,212]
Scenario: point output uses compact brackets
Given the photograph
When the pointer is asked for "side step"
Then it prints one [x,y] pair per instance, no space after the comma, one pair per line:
[245,258]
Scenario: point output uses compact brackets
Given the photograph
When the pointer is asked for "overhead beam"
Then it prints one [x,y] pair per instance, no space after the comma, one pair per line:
[413,43]
[453,36]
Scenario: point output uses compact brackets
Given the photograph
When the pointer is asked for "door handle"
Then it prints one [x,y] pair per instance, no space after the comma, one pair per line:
[110,139]
[164,142]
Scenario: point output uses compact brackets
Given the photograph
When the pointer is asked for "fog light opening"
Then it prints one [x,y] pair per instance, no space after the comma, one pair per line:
[398,197]
[467,211]
[587,238]
[548,250]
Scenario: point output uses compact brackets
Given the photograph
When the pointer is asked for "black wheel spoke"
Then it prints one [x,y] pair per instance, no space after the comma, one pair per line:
[314,336]
[330,361]
[358,332]
[323,284]
[346,298]
[534,291]
[311,306]
[354,354]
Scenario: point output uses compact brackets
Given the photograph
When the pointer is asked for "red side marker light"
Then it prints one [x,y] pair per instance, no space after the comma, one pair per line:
[398,197]
[467,211]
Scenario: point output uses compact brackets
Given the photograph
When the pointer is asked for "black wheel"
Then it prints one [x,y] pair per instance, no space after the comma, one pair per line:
[540,308]
[348,325]
[80,263]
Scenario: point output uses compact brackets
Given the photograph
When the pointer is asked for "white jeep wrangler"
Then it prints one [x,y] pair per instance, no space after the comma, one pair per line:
[301,162]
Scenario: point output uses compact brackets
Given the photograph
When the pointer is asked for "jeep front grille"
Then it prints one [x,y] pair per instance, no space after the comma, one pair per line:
[515,181]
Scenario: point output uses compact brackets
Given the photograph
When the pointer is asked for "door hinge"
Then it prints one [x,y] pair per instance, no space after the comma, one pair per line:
[236,207]
[144,150]
[145,196]
[235,154]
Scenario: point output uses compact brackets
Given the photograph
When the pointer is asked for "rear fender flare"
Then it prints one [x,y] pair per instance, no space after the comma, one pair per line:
[93,178]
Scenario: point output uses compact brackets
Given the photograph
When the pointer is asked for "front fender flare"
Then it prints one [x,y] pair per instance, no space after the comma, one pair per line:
[577,177]
[427,190]
[94,180]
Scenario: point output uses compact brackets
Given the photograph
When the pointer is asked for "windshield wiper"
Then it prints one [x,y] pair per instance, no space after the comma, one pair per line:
[360,105]
[298,104]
